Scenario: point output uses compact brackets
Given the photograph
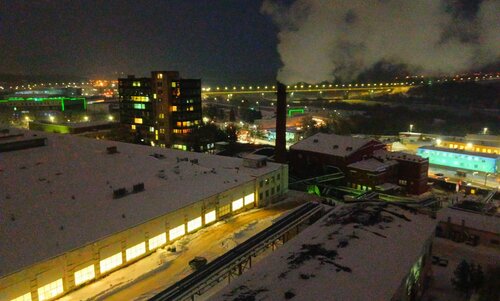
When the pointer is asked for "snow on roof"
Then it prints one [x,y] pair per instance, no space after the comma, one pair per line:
[331,144]
[353,253]
[383,154]
[373,165]
[59,197]
[460,151]
[474,220]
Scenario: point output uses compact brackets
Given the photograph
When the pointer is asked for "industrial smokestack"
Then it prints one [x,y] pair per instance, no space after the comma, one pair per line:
[280,148]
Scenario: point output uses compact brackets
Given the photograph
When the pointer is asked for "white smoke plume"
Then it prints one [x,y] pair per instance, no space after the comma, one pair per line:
[320,40]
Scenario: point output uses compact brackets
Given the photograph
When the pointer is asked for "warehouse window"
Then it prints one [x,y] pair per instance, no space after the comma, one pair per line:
[249,199]
[226,209]
[157,241]
[50,290]
[25,297]
[135,251]
[177,232]
[84,275]
[194,224]
[111,262]
[237,204]
[210,217]
[138,120]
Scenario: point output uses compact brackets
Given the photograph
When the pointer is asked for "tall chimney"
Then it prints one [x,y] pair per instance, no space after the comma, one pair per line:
[280,148]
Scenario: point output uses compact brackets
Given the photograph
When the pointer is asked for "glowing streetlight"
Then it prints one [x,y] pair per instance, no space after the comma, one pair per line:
[111,118]
[51,118]
[485,130]
[85,118]
[438,142]
[411,127]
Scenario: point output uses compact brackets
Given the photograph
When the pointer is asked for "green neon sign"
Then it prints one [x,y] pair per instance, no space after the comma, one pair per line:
[42,99]
[291,112]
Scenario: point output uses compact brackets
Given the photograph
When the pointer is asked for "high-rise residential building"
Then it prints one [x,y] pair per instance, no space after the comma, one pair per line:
[161,110]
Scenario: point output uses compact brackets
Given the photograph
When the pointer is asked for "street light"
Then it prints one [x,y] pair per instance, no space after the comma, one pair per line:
[411,127]
[485,130]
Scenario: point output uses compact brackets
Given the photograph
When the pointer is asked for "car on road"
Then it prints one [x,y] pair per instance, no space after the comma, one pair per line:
[440,176]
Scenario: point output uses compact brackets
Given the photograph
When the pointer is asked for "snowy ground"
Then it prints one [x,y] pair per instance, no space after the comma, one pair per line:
[163,268]
[441,288]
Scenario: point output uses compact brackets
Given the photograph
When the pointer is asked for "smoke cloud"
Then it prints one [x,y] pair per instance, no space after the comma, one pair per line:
[320,40]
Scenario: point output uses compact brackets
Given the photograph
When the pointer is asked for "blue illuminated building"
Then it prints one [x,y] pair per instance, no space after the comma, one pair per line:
[460,159]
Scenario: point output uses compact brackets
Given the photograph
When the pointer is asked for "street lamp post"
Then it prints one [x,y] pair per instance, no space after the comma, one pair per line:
[411,127]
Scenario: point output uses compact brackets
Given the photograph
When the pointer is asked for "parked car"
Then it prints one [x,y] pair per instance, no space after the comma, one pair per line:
[197,262]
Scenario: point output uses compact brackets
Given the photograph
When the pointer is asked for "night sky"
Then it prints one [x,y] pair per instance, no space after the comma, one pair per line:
[218,41]
[247,41]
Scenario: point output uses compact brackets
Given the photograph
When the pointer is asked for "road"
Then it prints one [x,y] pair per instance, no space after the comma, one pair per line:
[207,246]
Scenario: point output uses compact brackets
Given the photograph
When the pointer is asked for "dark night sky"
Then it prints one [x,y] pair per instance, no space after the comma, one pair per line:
[218,41]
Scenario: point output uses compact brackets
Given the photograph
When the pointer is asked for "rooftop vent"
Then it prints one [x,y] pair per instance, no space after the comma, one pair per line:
[349,148]
[254,161]
[194,161]
[111,150]
[119,193]
[335,146]
[138,187]
[158,156]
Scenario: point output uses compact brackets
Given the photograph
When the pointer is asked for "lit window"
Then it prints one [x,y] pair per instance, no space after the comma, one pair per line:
[159,76]
[249,199]
[111,262]
[237,204]
[194,224]
[157,241]
[223,210]
[50,290]
[139,106]
[152,129]
[138,120]
[25,297]
[162,131]
[84,275]
[174,108]
[132,126]
[135,251]
[174,84]
[179,123]
[161,116]
[136,84]
[177,232]
[210,217]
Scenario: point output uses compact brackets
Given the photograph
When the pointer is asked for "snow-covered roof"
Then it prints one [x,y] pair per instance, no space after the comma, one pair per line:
[343,256]
[373,165]
[387,155]
[331,144]
[474,220]
[58,197]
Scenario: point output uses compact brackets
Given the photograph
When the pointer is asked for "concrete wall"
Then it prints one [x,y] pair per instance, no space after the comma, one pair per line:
[63,267]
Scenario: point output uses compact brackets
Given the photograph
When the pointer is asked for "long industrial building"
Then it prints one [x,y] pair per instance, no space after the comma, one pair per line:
[73,210]
[455,158]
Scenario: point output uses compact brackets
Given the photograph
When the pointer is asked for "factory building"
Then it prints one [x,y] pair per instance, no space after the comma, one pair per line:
[162,109]
[35,101]
[461,159]
[74,210]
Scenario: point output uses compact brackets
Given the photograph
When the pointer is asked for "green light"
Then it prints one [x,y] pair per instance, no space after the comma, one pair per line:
[62,105]
[42,99]
[139,106]
[291,112]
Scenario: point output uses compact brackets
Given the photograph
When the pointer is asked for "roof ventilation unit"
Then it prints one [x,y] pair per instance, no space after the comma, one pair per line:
[112,150]
[138,187]
[119,193]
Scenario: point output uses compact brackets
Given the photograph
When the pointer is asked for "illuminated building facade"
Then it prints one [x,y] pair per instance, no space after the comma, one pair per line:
[107,204]
[161,110]
[63,99]
[461,159]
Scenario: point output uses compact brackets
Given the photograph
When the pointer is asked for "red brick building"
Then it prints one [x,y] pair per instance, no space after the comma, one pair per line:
[365,163]
[325,153]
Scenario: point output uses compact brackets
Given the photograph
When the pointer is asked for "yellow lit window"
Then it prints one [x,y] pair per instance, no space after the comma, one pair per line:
[177,232]
[132,126]
[238,204]
[194,224]
[154,96]
[210,217]
[84,275]
[174,108]
[152,129]
[177,131]
[159,76]
[162,131]
[223,210]
[157,241]
[136,84]
[111,262]
[174,84]
[50,290]
[184,123]
[249,199]
[25,297]
[161,116]
[135,251]
[138,120]
[179,123]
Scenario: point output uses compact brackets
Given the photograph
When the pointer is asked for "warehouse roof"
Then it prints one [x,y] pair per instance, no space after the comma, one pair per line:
[58,197]
[473,220]
[383,154]
[356,252]
[331,144]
